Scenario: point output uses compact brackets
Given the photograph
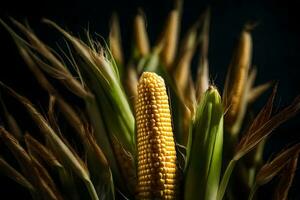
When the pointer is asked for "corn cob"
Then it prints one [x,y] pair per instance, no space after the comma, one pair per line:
[155,143]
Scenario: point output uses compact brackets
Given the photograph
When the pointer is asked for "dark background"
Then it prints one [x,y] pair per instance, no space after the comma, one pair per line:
[276,46]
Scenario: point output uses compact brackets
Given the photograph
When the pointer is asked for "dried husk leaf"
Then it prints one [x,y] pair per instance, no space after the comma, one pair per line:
[286,180]
[47,184]
[9,171]
[37,149]
[58,146]
[21,155]
[272,168]
[11,122]
[57,68]
[261,128]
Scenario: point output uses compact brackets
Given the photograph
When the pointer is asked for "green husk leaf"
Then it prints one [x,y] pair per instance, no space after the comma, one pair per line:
[225,179]
[101,76]
[204,151]
[107,76]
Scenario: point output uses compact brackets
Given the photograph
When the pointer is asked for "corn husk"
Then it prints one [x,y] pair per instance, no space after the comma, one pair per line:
[204,151]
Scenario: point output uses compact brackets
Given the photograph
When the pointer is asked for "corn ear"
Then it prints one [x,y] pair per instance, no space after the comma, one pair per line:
[141,35]
[234,96]
[115,42]
[204,151]
[155,143]
[178,107]
[170,36]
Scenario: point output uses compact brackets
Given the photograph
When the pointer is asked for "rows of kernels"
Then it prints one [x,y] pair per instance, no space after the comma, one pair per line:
[155,142]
